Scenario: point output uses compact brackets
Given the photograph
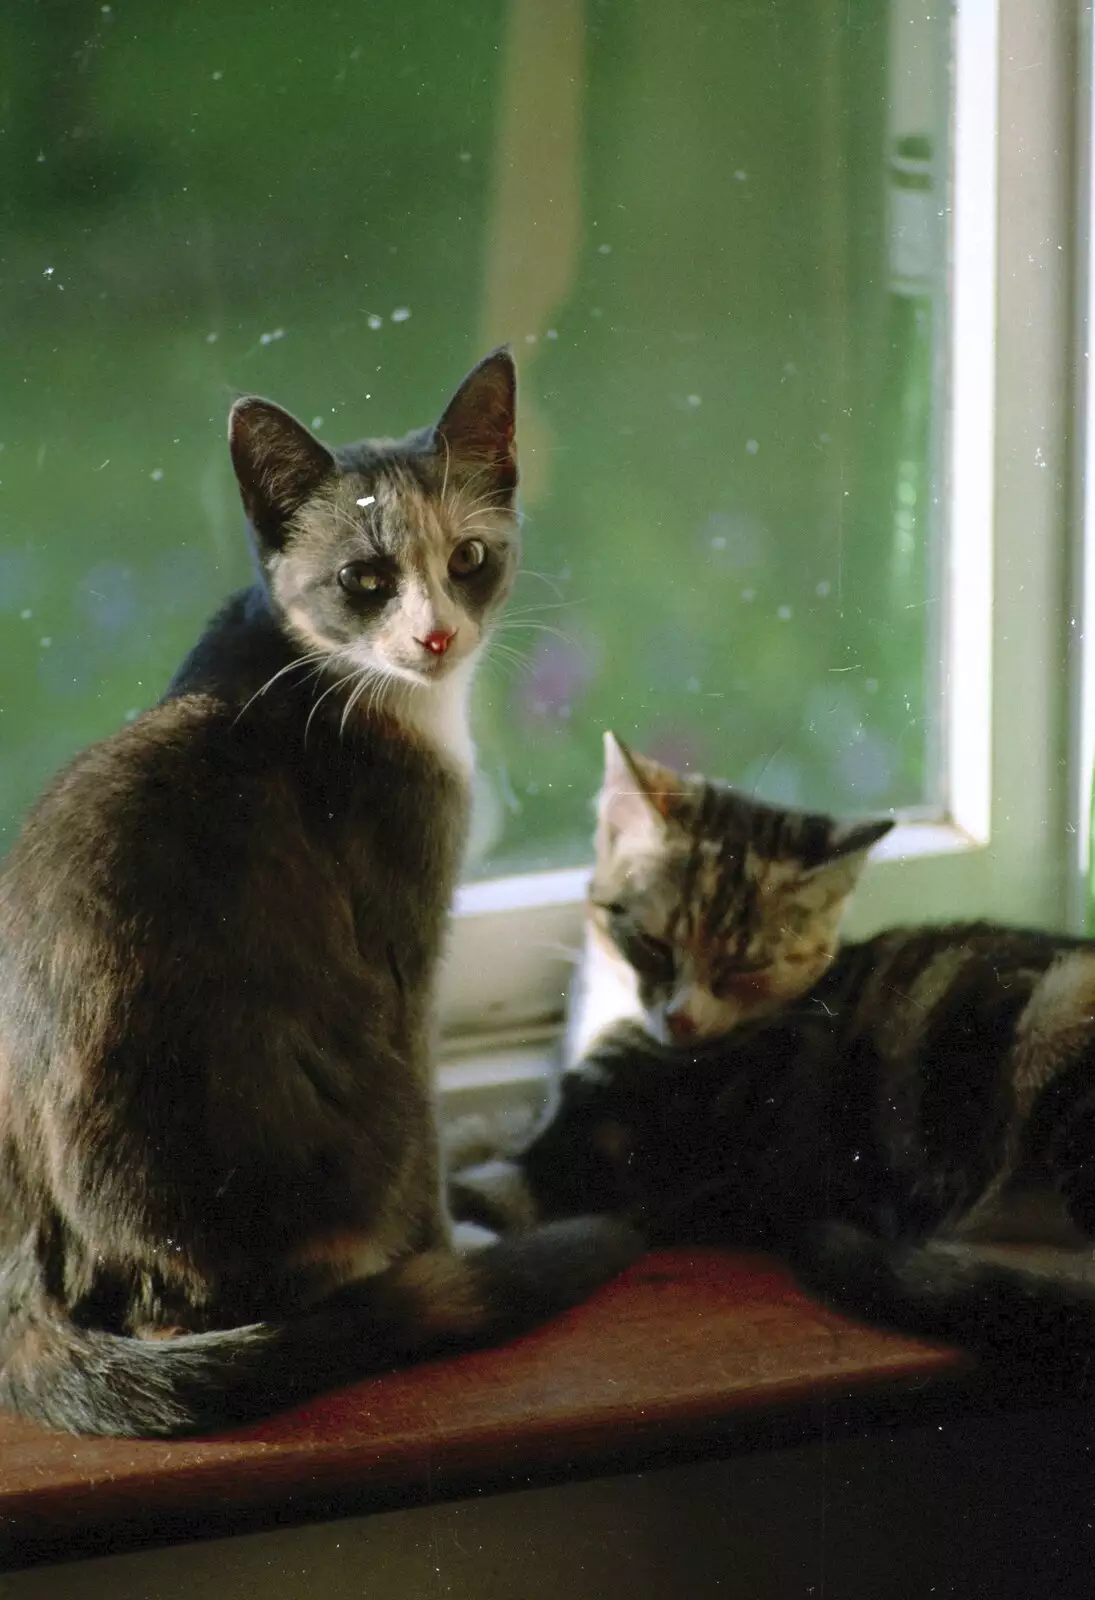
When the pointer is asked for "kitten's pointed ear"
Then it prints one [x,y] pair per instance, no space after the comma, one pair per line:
[847,850]
[663,787]
[856,838]
[278,463]
[636,794]
[478,432]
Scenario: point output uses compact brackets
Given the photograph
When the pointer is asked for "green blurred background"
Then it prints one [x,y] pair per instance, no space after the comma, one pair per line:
[713,232]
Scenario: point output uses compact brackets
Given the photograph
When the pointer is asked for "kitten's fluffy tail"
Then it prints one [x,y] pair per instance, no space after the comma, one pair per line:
[1028,1324]
[88,1381]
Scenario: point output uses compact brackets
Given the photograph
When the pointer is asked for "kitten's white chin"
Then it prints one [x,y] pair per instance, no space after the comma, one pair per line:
[437,710]
[604,993]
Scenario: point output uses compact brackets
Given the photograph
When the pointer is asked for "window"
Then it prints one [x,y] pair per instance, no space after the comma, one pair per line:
[1004,785]
[789,288]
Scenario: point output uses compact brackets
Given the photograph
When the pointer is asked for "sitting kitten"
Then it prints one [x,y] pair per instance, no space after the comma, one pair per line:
[868,1111]
[219,937]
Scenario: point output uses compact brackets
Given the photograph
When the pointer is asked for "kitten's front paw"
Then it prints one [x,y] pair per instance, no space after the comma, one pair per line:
[470,1236]
[493,1195]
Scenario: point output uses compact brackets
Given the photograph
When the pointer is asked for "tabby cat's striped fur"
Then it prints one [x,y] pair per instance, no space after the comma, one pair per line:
[876,1120]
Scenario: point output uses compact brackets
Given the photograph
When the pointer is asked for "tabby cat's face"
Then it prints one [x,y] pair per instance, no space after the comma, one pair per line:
[386,559]
[723,907]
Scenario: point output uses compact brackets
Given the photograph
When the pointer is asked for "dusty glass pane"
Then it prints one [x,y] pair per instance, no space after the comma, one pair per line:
[716,237]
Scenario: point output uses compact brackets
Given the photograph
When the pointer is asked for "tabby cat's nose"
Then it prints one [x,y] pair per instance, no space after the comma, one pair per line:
[680,1024]
[438,641]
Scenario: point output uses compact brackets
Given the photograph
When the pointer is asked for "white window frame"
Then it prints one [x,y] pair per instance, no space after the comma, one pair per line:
[1082,618]
[1012,842]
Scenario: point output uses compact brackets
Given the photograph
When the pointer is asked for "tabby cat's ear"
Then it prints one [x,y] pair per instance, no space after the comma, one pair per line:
[856,838]
[637,794]
[278,463]
[477,434]
[847,850]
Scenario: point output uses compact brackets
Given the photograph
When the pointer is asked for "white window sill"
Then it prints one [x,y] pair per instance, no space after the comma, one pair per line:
[496,1081]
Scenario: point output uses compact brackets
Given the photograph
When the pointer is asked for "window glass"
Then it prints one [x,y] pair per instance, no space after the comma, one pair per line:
[716,237]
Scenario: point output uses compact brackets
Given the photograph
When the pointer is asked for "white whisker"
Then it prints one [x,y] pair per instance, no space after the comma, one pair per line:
[506,656]
[301,661]
[339,683]
[448,459]
[365,678]
[512,625]
[527,572]
[508,652]
[561,605]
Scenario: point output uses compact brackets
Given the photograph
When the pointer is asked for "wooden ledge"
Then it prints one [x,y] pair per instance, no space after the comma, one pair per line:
[691,1353]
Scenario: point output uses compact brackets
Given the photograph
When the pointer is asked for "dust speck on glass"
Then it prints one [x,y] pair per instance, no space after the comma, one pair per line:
[716,237]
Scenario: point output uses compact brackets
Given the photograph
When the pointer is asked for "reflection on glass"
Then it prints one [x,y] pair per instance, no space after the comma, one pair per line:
[716,237]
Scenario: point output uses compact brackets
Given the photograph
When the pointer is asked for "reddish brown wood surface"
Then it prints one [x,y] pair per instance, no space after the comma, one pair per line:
[690,1350]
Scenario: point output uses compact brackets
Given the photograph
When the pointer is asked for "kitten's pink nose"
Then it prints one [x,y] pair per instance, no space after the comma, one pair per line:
[438,641]
[680,1024]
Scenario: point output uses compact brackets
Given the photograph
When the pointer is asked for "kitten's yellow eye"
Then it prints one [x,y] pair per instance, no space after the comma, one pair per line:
[467,558]
[359,577]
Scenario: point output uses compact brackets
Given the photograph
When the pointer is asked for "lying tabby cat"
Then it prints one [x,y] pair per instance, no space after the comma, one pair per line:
[219,939]
[867,1110]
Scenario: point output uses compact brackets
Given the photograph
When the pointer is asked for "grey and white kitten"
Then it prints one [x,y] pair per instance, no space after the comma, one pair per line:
[220,933]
